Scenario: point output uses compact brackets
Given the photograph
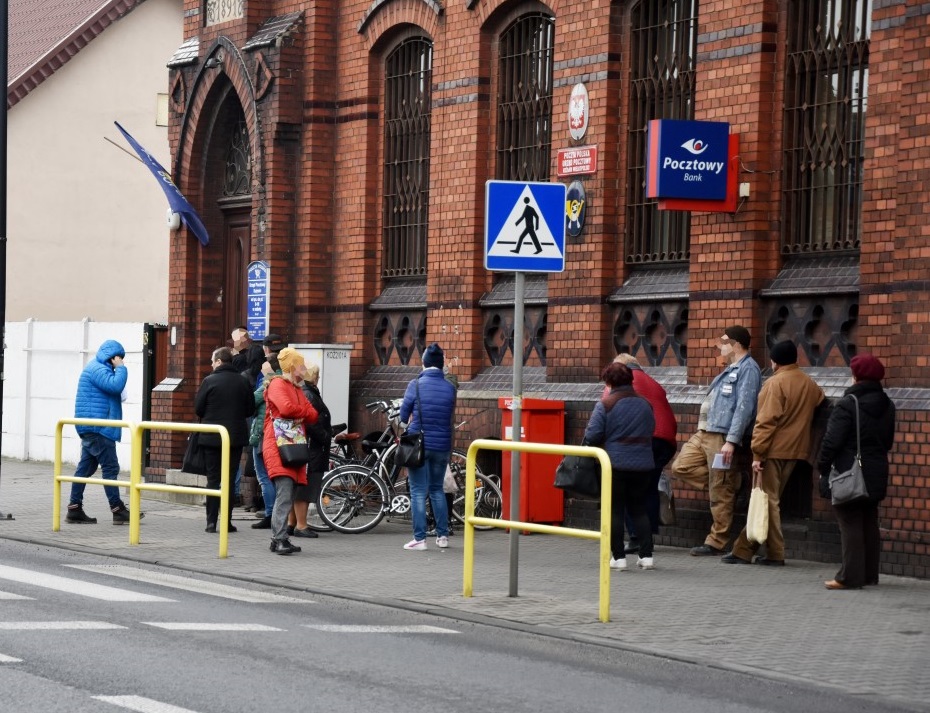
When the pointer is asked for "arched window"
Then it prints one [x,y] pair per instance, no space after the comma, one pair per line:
[524,99]
[826,96]
[408,74]
[663,48]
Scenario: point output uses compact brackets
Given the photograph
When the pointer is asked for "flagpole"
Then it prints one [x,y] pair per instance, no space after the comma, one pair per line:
[4,66]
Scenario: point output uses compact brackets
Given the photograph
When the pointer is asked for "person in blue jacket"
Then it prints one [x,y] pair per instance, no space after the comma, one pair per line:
[99,395]
[430,414]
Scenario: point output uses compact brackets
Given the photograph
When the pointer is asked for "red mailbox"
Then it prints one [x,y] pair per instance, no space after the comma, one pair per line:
[542,421]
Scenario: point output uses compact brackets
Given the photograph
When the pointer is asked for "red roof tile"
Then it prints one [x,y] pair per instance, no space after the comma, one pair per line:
[44,34]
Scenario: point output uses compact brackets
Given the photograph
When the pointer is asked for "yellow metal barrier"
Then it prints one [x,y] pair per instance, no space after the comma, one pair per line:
[135,484]
[603,535]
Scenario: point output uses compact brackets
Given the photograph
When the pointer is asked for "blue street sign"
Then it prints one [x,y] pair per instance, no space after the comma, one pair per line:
[524,226]
[259,280]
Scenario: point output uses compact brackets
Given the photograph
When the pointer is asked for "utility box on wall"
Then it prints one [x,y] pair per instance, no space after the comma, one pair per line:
[333,360]
[541,421]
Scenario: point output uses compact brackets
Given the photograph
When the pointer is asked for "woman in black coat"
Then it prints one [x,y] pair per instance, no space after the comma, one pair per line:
[319,439]
[225,399]
[858,520]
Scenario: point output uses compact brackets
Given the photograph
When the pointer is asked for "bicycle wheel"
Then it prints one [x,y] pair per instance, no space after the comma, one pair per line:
[488,498]
[353,499]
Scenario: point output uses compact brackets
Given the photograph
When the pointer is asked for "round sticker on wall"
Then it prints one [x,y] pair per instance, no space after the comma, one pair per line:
[575,206]
[578,112]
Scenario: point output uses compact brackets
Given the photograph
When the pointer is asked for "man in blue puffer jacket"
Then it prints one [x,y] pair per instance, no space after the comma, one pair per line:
[431,415]
[99,395]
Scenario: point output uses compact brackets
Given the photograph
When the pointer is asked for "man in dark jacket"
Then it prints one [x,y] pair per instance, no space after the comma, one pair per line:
[99,395]
[247,355]
[224,399]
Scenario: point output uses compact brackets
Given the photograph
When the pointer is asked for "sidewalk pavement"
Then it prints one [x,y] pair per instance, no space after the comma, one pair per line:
[775,622]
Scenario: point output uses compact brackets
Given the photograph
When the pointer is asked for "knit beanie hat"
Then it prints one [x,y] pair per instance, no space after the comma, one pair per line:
[290,359]
[434,356]
[784,353]
[866,367]
[739,334]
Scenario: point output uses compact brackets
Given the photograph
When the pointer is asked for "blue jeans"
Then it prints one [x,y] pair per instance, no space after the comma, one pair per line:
[97,450]
[427,480]
[263,480]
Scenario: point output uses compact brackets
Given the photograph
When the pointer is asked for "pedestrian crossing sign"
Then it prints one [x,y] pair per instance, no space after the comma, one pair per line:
[524,229]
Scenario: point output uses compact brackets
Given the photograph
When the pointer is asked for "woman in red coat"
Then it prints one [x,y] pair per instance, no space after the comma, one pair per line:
[284,399]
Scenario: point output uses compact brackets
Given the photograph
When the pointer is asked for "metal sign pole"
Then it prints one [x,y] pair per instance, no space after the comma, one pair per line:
[4,63]
[517,408]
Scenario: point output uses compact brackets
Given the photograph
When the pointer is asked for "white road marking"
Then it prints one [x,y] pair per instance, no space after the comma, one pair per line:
[190,584]
[75,586]
[9,659]
[207,626]
[142,705]
[359,629]
[55,625]
[10,595]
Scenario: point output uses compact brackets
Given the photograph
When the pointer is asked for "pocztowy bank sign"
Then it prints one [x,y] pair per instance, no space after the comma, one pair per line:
[687,159]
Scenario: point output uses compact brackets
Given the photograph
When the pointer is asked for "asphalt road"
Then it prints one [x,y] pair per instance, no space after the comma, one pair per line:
[86,633]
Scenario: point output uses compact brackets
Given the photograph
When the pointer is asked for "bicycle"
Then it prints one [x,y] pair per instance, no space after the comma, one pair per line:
[355,498]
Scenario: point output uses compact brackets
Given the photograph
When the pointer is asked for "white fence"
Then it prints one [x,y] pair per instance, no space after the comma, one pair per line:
[42,363]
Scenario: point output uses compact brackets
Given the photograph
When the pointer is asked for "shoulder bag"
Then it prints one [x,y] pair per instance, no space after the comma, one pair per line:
[580,475]
[411,451]
[291,438]
[849,486]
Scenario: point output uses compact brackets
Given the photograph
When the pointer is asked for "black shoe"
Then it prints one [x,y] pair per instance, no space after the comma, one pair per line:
[232,528]
[211,527]
[632,547]
[290,530]
[766,562]
[730,558]
[705,551]
[77,516]
[283,547]
[263,524]
[304,533]
[121,516]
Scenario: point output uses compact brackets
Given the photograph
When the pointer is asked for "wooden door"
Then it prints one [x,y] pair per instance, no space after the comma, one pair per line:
[238,251]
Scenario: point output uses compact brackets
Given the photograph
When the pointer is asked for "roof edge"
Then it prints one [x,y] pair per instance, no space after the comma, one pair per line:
[58,55]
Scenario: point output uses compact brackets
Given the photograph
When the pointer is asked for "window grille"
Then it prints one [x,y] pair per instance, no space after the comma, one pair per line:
[237,178]
[826,97]
[663,52]
[524,99]
[408,73]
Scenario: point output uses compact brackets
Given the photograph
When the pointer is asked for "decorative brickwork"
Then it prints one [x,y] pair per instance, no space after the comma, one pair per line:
[310,90]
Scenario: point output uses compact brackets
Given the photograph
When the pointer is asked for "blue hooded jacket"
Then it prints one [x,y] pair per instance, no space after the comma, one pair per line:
[99,389]
[437,401]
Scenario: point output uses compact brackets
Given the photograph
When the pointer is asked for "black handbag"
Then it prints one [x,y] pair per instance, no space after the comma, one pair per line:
[580,475]
[194,458]
[291,439]
[411,451]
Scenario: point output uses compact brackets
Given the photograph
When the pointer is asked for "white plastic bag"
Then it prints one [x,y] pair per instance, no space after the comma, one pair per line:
[448,482]
[757,519]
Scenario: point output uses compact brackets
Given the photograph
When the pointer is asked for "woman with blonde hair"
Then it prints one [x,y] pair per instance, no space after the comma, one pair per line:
[286,407]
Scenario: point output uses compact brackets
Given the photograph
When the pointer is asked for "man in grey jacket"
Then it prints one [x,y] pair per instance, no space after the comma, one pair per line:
[727,413]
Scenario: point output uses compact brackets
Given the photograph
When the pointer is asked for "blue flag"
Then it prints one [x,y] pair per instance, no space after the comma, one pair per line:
[179,204]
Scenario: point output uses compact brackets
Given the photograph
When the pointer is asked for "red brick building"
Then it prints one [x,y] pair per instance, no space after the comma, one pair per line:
[348,145]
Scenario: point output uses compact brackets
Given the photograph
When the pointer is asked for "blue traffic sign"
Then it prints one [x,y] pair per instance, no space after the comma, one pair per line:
[259,281]
[524,226]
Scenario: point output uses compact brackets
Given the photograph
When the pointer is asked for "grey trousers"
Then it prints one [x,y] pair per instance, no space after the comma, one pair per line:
[283,502]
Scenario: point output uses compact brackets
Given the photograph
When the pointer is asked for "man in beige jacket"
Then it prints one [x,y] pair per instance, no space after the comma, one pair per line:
[781,437]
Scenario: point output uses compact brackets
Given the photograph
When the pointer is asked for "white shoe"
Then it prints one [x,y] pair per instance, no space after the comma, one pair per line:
[442,542]
[646,563]
[618,564]
[415,545]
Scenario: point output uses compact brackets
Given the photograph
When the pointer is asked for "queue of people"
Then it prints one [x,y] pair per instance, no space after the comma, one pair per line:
[632,421]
